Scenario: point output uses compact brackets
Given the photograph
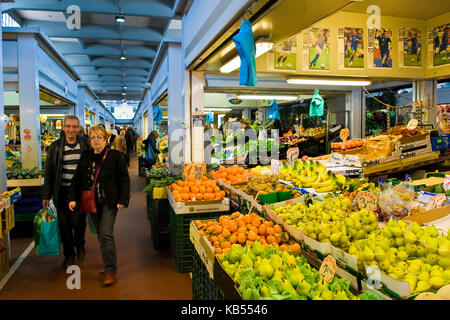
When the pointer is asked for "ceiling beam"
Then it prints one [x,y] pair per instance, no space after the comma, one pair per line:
[70,48]
[97,31]
[147,8]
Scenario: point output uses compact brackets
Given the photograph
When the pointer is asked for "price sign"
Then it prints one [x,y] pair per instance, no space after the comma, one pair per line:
[367,200]
[194,169]
[447,183]
[412,124]
[344,134]
[328,269]
[275,166]
[292,155]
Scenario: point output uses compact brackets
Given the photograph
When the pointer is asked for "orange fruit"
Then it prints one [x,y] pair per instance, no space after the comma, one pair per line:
[185,196]
[185,190]
[270,239]
[180,183]
[232,226]
[295,247]
[201,189]
[247,218]
[191,195]
[232,239]
[203,178]
[199,196]
[225,244]
[277,228]
[262,230]
[235,215]
[241,238]
[269,231]
[216,189]
[252,236]
[249,243]
[226,233]
[256,222]
[216,244]
[217,251]
[217,196]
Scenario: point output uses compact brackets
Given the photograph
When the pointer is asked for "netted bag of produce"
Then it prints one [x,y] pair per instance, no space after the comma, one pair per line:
[396,201]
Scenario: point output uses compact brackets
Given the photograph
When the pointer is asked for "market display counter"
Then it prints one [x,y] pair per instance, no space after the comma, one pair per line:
[25,182]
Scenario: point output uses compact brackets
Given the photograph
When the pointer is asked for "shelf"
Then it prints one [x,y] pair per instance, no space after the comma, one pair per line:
[25,182]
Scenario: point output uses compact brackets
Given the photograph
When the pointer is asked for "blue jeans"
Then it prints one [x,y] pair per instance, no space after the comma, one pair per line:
[104,225]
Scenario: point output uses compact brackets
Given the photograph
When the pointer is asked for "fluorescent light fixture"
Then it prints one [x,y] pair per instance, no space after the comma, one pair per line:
[235,63]
[328,82]
[123,58]
[217,109]
[264,97]
[123,93]
[120,18]
[53,115]
[124,88]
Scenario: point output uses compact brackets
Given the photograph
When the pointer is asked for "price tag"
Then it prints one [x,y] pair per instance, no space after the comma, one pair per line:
[297,129]
[194,169]
[292,155]
[447,183]
[412,124]
[328,269]
[275,166]
[367,200]
[344,134]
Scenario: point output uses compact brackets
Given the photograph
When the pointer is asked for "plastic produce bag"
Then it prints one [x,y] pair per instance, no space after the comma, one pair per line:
[157,114]
[245,45]
[91,224]
[46,233]
[396,201]
[210,117]
[274,112]
[316,105]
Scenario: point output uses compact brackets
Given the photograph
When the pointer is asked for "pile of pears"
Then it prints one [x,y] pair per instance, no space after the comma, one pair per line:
[269,273]
[420,256]
[333,220]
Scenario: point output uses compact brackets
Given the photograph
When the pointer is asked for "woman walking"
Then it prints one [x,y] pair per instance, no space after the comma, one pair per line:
[120,143]
[151,139]
[112,193]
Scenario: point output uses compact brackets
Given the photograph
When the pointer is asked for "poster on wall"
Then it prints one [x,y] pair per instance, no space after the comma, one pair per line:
[351,48]
[379,48]
[316,49]
[409,47]
[439,50]
[285,55]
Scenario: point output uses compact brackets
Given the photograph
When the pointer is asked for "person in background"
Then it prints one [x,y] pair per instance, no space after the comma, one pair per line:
[63,157]
[113,130]
[129,139]
[82,132]
[112,193]
[120,144]
[249,135]
[151,139]
[135,137]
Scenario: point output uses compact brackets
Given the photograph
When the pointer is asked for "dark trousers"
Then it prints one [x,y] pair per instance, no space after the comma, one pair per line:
[72,226]
[104,221]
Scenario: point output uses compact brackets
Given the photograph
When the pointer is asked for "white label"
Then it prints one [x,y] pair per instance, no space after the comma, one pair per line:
[337,158]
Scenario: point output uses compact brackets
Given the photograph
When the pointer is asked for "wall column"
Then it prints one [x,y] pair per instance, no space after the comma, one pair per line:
[80,106]
[426,91]
[2,114]
[176,109]
[197,101]
[30,130]
[353,104]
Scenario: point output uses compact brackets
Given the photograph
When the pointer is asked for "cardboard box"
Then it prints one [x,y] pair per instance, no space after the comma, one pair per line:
[414,144]
[203,247]
[421,216]
[198,206]
[344,258]
[224,281]
[323,247]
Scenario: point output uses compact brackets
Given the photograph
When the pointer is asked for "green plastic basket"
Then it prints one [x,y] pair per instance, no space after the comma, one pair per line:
[284,195]
[268,198]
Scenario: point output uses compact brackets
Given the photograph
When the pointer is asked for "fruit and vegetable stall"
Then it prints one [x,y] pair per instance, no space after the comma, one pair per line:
[270,232]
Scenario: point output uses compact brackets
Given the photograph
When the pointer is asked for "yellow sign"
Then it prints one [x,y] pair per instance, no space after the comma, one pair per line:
[367,200]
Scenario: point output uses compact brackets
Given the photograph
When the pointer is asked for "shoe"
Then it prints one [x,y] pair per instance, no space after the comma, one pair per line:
[81,253]
[68,261]
[109,279]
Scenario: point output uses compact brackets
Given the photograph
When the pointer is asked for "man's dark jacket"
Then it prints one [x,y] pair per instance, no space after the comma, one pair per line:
[53,167]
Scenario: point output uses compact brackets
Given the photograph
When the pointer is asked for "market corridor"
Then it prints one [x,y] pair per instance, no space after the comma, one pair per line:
[143,273]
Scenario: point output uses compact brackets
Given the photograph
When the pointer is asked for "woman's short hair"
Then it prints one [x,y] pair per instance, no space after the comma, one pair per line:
[245,121]
[122,132]
[100,130]
[155,134]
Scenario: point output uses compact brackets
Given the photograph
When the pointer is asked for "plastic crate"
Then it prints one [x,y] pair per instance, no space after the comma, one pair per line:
[149,205]
[28,203]
[141,167]
[160,223]
[181,247]
[439,143]
[203,287]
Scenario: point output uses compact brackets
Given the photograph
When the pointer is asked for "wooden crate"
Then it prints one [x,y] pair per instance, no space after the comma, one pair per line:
[4,257]
[25,182]
[9,218]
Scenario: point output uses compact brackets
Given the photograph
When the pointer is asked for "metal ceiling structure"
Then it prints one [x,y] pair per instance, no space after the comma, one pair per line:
[95,49]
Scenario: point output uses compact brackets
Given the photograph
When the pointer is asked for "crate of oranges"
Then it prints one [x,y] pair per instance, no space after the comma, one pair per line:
[230,175]
[213,237]
[197,195]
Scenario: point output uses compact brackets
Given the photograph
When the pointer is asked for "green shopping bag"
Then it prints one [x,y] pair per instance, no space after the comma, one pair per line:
[91,224]
[46,233]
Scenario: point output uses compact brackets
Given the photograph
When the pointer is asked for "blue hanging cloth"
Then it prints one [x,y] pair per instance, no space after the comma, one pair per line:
[210,117]
[316,105]
[157,114]
[245,45]
[274,112]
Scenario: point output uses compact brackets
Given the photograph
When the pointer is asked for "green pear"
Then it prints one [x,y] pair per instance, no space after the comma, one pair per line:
[431,258]
[444,262]
[431,245]
[436,267]
[446,275]
[396,231]
[414,268]
[420,234]
[402,248]
[415,227]
[403,265]
[393,250]
[334,238]
[432,231]
[411,249]
[303,288]
[399,241]
[387,233]
[361,234]
[380,254]
[410,237]
[425,267]
[402,255]
[436,273]
[441,239]
[384,265]
[437,282]
[368,254]
[412,281]
[421,251]
[385,244]
[444,248]
[424,275]
[422,286]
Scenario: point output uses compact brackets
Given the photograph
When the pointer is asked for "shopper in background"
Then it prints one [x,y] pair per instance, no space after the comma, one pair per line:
[120,144]
[63,157]
[129,139]
[151,140]
[249,135]
[112,193]
[113,130]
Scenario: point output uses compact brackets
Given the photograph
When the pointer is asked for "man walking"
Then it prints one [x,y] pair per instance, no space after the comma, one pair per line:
[130,140]
[63,156]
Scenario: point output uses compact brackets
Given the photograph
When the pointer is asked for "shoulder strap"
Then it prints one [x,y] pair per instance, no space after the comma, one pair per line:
[98,170]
